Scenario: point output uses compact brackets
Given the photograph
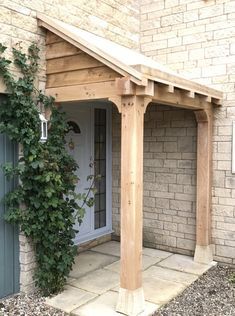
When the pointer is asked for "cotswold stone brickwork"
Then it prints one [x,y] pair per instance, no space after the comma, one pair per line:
[196,38]
[116,20]
[169,178]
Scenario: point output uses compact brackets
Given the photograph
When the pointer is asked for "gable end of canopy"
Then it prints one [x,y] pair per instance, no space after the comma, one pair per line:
[115,73]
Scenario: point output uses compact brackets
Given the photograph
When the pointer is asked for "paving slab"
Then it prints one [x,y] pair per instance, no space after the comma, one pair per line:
[89,261]
[159,291]
[184,264]
[156,253]
[105,305]
[70,299]
[93,283]
[170,275]
[70,280]
[98,281]
[109,248]
[147,262]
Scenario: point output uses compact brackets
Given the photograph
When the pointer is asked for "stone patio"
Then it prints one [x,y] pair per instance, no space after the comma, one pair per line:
[94,281]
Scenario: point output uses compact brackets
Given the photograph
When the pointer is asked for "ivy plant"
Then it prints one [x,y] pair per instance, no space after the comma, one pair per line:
[44,202]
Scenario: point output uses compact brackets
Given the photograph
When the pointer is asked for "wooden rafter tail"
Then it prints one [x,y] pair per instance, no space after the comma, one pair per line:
[217,102]
[177,81]
[178,99]
[190,94]
[147,90]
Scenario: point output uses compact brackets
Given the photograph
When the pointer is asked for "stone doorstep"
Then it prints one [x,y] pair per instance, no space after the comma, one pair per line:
[89,261]
[109,248]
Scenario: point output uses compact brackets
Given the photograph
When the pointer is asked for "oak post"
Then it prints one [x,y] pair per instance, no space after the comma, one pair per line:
[203,251]
[131,297]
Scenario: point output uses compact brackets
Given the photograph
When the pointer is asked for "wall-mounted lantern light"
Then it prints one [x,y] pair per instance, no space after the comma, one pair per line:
[43,120]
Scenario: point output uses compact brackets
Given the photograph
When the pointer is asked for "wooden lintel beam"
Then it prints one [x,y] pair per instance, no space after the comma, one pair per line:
[93,91]
[178,99]
[168,78]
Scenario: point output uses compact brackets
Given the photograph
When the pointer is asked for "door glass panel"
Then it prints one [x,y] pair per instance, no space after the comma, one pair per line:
[100,168]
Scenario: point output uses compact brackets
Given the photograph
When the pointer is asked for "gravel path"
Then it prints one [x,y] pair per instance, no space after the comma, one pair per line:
[211,295]
[27,305]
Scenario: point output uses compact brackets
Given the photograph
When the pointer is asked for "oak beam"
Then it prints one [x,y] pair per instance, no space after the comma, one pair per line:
[203,251]
[131,297]
[179,98]
[92,91]
[168,78]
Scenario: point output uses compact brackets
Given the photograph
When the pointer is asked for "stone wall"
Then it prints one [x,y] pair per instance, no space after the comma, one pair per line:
[169,178]
[196,38]
[116,20]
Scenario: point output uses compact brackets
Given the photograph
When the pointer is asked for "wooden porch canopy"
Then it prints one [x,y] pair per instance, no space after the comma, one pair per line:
[83,66]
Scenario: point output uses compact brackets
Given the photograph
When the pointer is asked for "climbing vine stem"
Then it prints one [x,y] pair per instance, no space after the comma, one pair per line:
[44,203]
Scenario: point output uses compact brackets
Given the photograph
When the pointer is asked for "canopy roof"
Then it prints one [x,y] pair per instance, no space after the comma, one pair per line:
[125,61]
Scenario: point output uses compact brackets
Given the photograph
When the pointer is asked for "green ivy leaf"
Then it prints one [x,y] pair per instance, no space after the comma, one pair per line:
[45,203]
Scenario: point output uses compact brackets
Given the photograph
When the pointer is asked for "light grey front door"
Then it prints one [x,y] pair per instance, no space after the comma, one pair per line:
[89,142]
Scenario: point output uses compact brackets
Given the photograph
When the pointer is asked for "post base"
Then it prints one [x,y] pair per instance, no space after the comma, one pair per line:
[203,254]
[130,303]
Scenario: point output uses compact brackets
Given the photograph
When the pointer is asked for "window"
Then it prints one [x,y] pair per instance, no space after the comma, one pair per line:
[100,168]
[74,127]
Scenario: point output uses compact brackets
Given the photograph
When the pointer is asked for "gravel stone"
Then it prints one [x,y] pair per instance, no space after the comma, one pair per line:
[27,305]
[211,295]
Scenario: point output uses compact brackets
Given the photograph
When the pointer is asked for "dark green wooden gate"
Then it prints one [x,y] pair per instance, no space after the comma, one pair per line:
[9,237]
